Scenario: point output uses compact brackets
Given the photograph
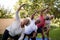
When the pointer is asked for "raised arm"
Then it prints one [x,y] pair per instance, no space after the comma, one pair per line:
[20,7]
[17,16]
[32,17]
[44,10]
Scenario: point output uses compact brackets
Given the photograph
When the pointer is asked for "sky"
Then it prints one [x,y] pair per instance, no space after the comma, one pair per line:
[8,4]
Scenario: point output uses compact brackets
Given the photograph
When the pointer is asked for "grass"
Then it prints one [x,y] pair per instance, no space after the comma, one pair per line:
[54,34]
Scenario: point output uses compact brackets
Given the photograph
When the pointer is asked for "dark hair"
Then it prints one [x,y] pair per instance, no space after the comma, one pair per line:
[47,18]
[37,21]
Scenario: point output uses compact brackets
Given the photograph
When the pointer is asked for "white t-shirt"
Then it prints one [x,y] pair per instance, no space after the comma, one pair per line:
[15,28]
[47,23]
[31,27]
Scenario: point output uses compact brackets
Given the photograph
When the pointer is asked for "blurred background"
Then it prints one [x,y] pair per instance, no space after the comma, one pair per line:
[9,7]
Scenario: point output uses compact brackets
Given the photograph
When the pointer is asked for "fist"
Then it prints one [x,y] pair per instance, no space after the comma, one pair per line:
[22,5]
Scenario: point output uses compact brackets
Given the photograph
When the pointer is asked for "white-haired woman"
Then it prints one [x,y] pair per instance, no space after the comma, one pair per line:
[16,29]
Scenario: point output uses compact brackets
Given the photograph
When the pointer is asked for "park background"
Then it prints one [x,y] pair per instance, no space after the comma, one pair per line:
[7,15]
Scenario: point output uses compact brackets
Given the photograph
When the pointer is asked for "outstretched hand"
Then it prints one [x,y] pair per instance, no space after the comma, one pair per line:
[22,5]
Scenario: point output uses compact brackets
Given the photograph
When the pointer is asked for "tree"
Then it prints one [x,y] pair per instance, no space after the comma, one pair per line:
[4,13]
[55,7]
[32,5]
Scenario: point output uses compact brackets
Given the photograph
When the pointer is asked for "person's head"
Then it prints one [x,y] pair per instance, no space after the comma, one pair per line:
[37,21]
[47,18]
[52,16]
[26,21]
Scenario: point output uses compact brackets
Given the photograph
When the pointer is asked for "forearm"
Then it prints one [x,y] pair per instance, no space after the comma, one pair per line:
[32,17]
[17,16]
[21,37]
[34,34]
[19,9]
[44,10]
[40,24]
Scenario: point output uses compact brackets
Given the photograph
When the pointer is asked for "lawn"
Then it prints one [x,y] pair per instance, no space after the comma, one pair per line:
[54,34]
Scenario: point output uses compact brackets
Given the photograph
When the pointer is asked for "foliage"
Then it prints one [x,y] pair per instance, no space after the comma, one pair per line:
[55,23]
[4,13]
[33,5]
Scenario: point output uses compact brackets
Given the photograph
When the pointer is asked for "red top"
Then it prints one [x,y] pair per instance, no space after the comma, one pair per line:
[42,21]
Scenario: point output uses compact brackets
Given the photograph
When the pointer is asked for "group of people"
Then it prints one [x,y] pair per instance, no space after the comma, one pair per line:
[29,27]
